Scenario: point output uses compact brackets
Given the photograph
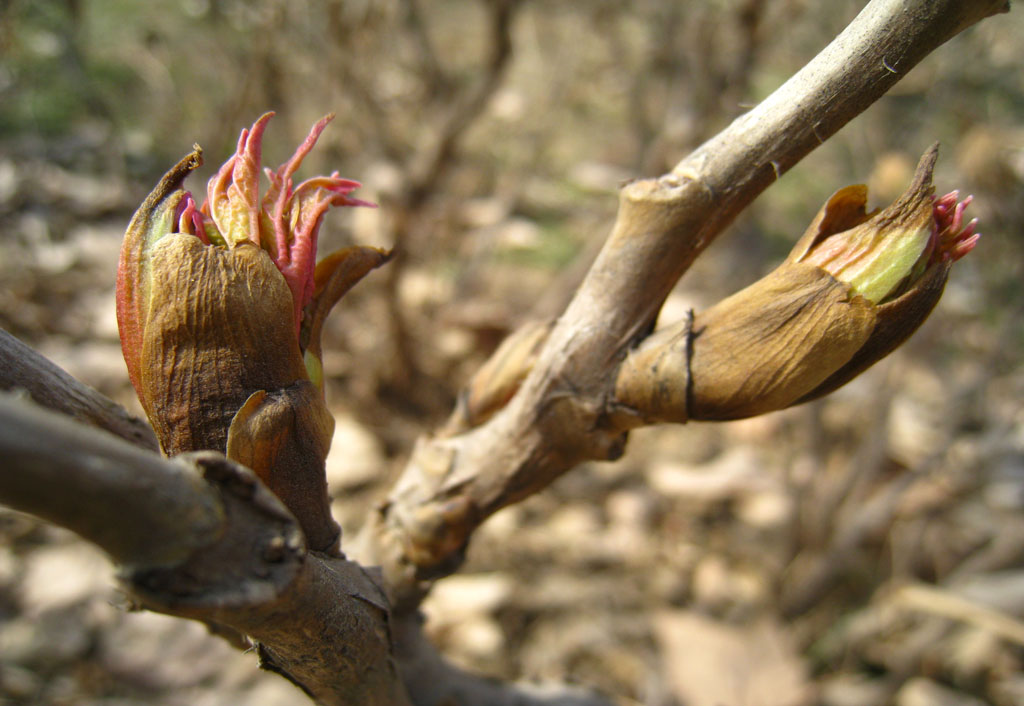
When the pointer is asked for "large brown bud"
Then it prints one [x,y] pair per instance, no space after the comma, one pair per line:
[220,311]
[854,288]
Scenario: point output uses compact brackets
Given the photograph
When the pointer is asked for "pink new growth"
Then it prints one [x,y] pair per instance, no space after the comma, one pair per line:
[950,238]
[285,223]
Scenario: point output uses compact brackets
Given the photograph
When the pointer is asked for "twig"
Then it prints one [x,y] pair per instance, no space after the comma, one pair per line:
[429,65]
[50,386]
[930,599]
[433,164]
[142,509]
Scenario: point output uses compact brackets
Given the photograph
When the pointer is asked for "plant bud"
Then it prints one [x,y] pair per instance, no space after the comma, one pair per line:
[912,245]
[883,255]
[220,310]
[855,286]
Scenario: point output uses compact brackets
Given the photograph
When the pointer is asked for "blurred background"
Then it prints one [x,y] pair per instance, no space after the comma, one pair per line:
[863,549]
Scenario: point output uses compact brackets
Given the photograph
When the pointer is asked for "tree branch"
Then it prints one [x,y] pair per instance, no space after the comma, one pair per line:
[200,537]
[560,416]
[143,510]
[50,386]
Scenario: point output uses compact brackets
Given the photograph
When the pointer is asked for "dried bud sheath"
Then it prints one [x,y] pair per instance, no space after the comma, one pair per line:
[219,327]
[759,350]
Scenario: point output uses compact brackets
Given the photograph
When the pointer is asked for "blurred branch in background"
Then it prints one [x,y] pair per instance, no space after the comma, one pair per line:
[427,169]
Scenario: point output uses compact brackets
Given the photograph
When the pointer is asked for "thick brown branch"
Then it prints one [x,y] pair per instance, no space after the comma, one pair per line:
[198,536]
[23,368]
[141,509]
[559,417]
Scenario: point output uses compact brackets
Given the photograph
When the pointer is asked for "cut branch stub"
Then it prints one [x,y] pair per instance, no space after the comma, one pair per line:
[321,622]
[255,556]
[199,536]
